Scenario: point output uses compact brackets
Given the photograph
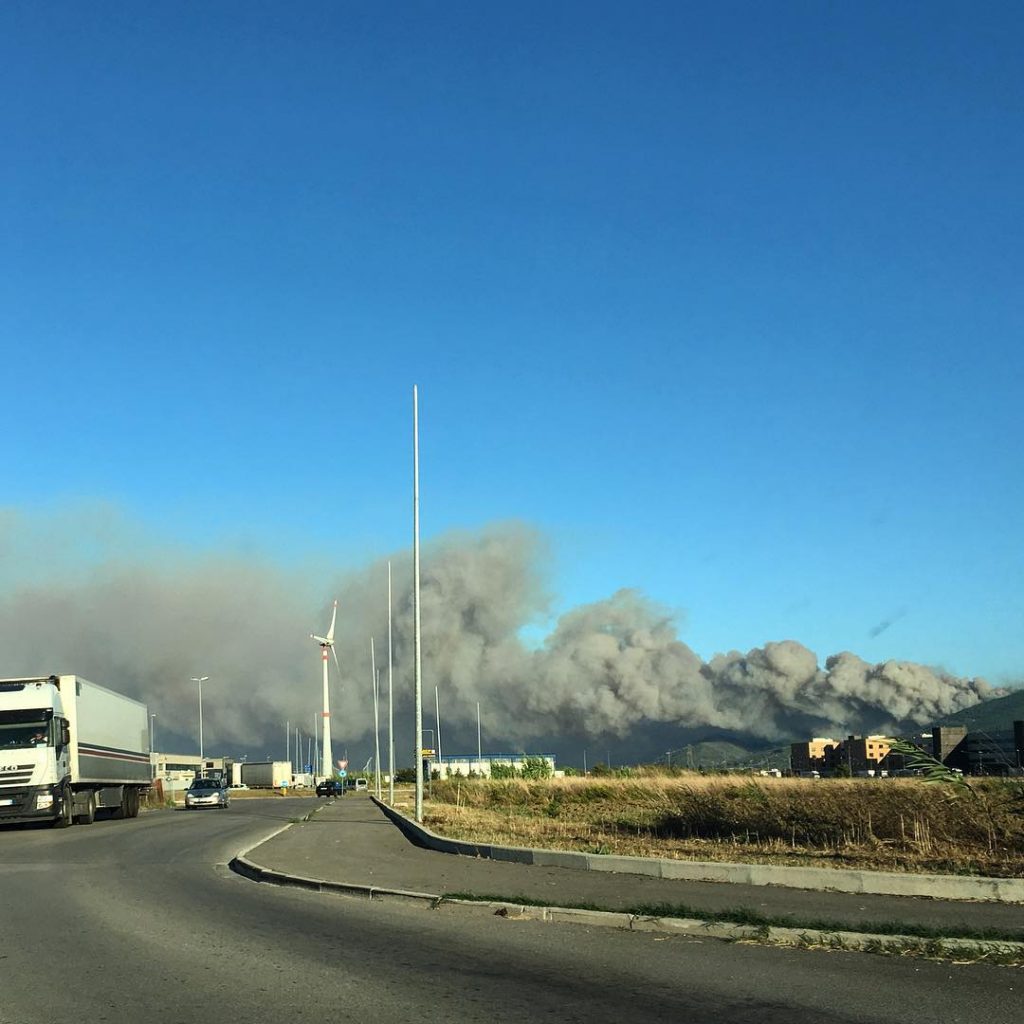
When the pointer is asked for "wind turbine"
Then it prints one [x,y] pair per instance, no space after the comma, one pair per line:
[327,643]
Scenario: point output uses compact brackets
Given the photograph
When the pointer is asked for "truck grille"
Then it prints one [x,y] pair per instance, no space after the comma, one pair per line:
[15,775]
[13,802]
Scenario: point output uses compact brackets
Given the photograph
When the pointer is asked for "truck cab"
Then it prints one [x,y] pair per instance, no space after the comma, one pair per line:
[69,747]
[35,751]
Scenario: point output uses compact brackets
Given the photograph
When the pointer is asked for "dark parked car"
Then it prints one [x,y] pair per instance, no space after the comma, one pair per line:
[330,787]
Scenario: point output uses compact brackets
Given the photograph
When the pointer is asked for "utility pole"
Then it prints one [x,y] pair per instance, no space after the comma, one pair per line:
[391,707]
[152,732]
[479,752]
[418,674]
[376,718]
[200,680]
[437,718]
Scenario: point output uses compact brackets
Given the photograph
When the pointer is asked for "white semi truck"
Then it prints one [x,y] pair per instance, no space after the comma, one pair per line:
[68,748]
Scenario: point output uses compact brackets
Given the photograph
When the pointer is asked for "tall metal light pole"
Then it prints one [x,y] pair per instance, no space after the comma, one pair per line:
[376,730]
[152,732]
[418,674]
[376,719]
[437,719]
[200,680]
[479,753]
[391,707]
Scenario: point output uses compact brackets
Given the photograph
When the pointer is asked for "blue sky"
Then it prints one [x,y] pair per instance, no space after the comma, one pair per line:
[723,297]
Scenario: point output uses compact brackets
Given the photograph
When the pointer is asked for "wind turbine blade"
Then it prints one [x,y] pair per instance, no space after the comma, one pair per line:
[334,615]
[335,658]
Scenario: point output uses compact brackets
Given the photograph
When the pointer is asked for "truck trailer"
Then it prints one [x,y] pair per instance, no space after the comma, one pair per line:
[68,748]
[267,774]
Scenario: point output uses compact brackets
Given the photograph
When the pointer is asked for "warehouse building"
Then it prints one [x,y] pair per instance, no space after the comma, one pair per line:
[464,765]
[981,751]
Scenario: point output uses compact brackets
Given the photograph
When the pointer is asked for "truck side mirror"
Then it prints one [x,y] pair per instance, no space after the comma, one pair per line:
[65,735]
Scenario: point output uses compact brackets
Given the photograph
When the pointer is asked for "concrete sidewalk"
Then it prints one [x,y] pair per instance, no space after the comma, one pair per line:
[351,841]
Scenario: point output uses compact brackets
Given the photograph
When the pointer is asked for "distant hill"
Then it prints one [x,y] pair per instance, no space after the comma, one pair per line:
[715,754]
[991,714]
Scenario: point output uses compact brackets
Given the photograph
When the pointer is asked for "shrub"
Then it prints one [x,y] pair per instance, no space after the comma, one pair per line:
[537,768]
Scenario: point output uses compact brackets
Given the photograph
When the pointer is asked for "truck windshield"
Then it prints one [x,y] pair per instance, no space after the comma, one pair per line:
[24,729]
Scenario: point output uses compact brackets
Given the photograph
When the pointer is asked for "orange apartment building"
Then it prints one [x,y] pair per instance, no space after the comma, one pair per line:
[855,754]
[811,755]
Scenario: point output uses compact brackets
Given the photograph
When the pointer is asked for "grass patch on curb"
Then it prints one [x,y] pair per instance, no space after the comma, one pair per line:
[745,917]
[953,951]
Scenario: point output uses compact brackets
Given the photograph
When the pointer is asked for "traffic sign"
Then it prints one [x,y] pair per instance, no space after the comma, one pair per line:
[343,774]
[307,768]
[428,753]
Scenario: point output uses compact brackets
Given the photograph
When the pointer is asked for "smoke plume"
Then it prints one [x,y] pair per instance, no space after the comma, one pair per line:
[612,667]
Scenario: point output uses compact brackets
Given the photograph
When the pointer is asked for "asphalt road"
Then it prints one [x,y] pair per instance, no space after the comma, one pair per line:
[128,921]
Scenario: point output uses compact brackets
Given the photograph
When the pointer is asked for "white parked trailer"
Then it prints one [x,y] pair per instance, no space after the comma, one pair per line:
[267,774]
[69,747]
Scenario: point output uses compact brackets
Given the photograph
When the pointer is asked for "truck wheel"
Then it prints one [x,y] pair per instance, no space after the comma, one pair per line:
[88,816]
[123,809]
[133,802]
[67,809]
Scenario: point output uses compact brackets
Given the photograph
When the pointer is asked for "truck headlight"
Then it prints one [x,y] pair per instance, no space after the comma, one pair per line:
[44,800]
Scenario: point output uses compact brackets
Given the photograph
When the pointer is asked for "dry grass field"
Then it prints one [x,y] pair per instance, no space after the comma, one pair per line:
[884,824]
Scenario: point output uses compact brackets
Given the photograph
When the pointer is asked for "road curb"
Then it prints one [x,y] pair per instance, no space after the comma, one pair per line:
[880,883]
[256,872]
[947,948]
[774,935]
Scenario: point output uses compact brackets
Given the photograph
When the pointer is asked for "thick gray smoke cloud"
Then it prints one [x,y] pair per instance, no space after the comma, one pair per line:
[611,667]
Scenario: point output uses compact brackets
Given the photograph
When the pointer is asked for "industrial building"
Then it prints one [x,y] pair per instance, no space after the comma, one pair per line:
[466,764]
[980,751]
[176,771]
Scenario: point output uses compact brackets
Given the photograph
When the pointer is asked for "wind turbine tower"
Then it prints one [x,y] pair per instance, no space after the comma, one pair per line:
[327,643]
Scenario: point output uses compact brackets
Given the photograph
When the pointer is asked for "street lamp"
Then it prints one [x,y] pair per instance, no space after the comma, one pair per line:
[200,680]
[152,731]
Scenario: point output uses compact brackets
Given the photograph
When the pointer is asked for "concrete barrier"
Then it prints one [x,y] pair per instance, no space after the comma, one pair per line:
[882,883]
